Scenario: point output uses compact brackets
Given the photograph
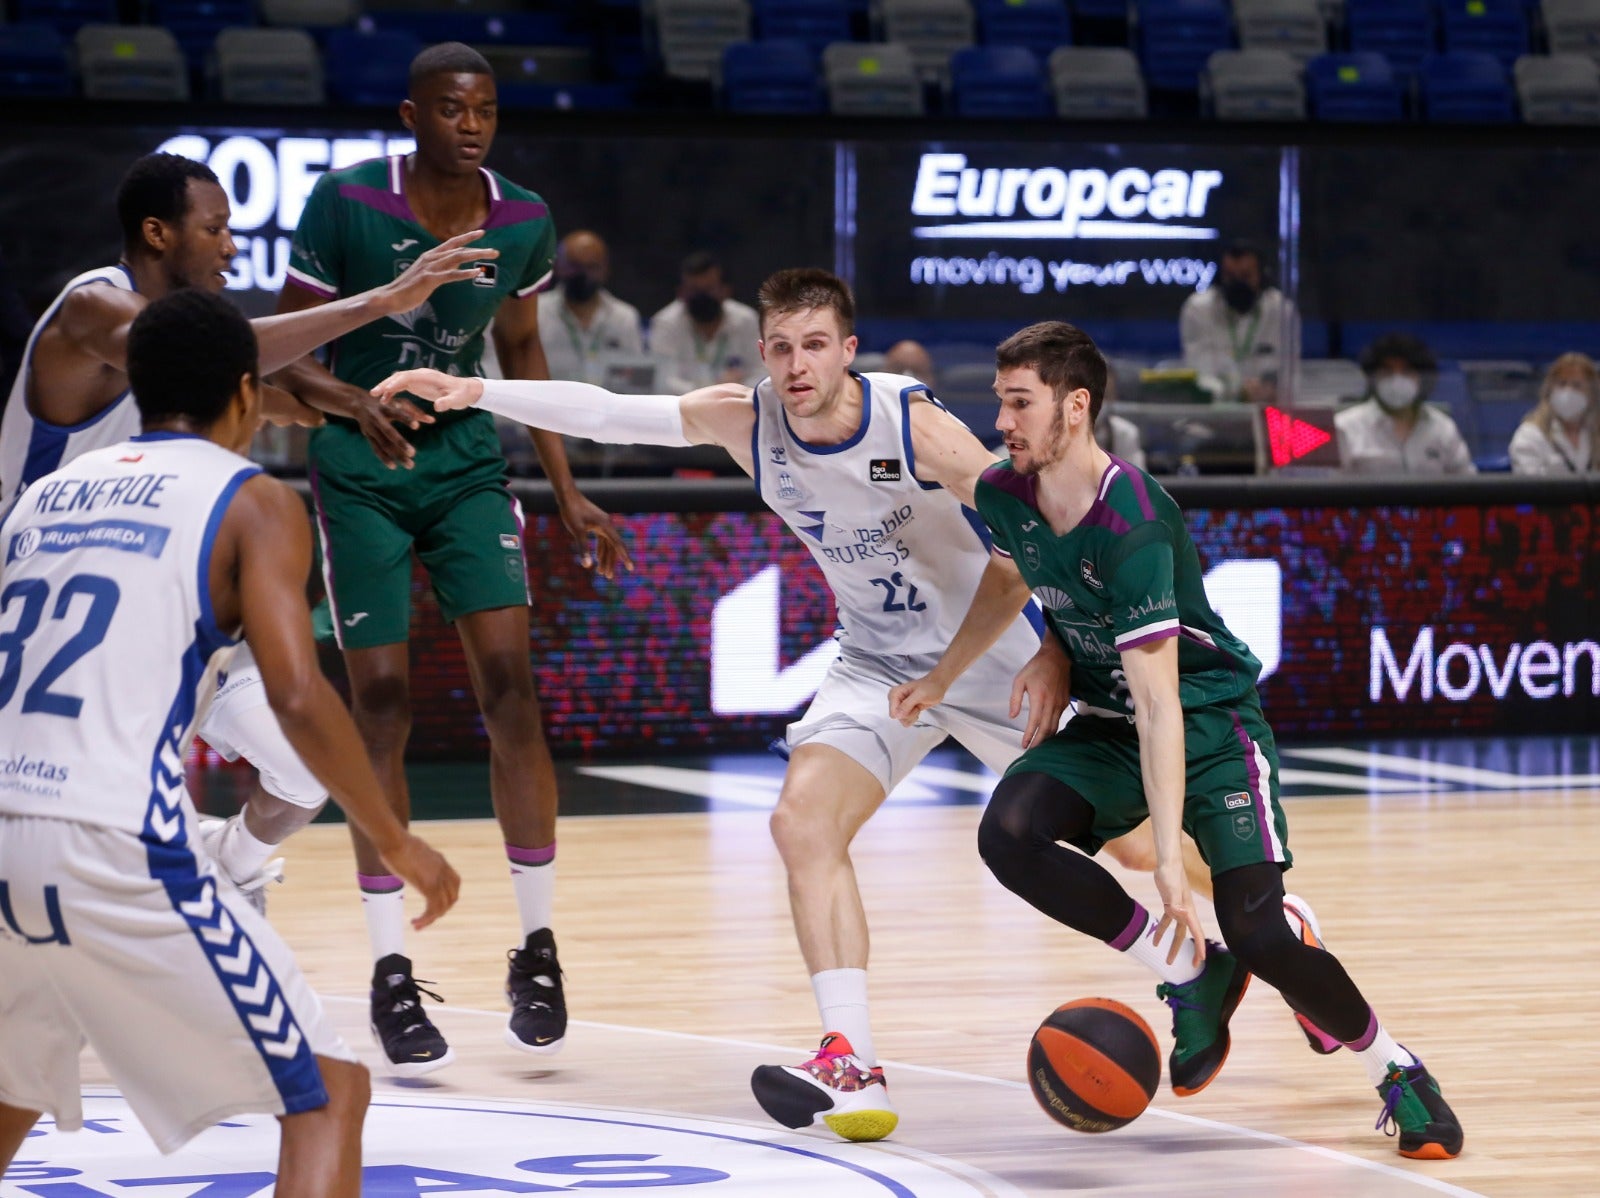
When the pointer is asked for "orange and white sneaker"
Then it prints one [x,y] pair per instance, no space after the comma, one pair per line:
[834,1087]
[1299,911]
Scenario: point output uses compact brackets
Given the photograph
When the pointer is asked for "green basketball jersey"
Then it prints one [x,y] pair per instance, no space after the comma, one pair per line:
[1127,574]
[358,232]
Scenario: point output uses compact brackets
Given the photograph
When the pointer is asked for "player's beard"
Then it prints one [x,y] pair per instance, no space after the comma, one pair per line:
[1054,447]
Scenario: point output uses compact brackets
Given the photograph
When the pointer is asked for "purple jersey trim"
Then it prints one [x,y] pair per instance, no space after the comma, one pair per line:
[1159,633]
[1258,799]
[1020,486]
[514,212]
[1146,508]
[387,202]
[1101,515]
[316,286]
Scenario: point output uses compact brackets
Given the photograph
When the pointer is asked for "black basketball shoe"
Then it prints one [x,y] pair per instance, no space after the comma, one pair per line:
[533,987]
[410,1042]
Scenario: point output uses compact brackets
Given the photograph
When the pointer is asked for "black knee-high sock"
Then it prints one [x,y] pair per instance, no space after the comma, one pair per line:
[1017,840]
[1249,903]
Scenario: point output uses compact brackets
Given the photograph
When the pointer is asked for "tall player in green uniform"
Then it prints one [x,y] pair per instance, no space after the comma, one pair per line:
[1168,726]
[451,505]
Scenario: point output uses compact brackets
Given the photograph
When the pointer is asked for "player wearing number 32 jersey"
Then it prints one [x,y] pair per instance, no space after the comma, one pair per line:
[127,580]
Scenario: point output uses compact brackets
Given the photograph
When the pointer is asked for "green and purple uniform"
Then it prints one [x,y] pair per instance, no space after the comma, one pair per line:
[1126,575]
[453,508]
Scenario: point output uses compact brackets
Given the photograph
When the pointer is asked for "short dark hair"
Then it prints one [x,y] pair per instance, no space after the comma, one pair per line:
[186,354]
[1243,247]
[1062,355]
[446,58]
[156,185]
[1413,351]
[699,262]
[803,288]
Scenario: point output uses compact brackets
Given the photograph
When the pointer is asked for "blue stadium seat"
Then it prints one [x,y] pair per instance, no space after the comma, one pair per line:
[1353,87]
[771,76]
[1040,25]
[1462,87]
[1498,27]
[33,62]
[474,28]
[997,81]
[65,16]
[1101,10]
[196,23]
[368,68]
[816,23]
[1177,37]
[1400,30]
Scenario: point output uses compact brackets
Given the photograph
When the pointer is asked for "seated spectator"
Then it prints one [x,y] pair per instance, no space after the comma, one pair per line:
[580,322]
[1117,434]
[1562,434]
[1394,430]
[911,358]
[1240,335]
[703,336]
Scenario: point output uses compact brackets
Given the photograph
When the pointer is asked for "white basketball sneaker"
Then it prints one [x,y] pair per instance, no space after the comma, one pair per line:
[835,1087]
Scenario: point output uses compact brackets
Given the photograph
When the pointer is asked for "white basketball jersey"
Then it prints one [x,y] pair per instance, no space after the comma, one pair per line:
[30,448]
[903,557]
[107,637]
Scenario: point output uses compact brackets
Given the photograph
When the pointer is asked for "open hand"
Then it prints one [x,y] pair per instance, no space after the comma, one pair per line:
[419,864]
[450,261]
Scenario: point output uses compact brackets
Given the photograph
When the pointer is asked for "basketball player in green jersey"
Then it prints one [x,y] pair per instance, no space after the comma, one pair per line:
[451,505]
[1168,726]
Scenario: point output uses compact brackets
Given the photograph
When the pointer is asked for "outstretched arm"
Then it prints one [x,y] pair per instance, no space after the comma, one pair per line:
[287,337]
[521,353]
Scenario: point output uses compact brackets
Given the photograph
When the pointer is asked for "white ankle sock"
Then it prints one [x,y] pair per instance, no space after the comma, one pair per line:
[239,854]
[383,902]
[1377,1056]
[842,1003]
[1153,956]
[533,880]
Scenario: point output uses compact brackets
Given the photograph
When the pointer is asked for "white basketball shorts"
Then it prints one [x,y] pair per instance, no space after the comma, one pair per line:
[190,999]
[239,723]
[851,710]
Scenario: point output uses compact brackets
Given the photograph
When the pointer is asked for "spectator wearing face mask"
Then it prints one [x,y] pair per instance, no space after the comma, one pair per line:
[1562,434]
[580,322]
[1394,431]
[1240,335]
[703,336]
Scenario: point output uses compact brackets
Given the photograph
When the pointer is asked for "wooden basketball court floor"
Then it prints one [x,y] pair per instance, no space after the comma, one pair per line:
[1463,910]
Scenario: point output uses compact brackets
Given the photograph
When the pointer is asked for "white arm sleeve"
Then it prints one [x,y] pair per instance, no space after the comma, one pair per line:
[584,410]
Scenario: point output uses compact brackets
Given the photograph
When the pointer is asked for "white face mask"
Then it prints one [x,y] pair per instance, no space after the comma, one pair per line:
[1397,391]
[1569,403]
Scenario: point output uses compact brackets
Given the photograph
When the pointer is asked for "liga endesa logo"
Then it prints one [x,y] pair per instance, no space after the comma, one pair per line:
[416,1146]
[1047,202]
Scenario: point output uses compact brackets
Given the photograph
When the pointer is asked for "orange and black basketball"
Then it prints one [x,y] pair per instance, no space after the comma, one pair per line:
[1094,1065]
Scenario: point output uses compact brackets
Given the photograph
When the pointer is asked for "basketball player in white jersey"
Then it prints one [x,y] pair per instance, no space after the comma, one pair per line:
[872,475]
[71,395]
[126,580]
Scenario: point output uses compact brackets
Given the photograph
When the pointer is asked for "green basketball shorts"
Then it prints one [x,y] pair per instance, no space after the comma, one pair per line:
[452,508]
[1230,804]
